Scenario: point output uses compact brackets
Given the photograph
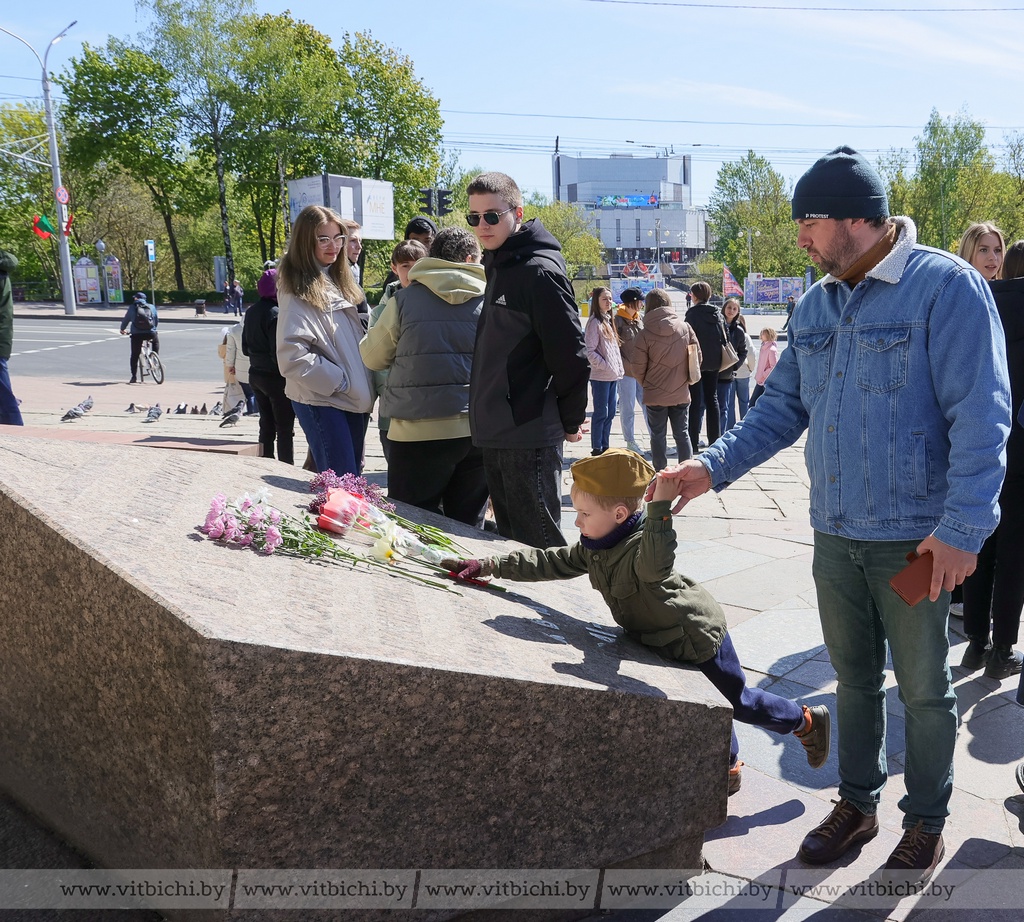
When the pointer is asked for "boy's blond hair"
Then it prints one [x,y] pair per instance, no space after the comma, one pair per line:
[632,503]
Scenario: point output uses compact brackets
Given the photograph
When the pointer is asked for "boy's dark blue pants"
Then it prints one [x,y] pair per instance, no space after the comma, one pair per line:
[750,705]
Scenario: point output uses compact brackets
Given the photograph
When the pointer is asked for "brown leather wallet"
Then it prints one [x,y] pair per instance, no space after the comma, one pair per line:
[914,581]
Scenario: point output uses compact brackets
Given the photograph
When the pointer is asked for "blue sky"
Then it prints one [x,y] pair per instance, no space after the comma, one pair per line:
[611,77]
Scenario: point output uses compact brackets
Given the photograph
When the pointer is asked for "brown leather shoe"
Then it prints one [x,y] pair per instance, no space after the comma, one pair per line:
[914,860]
[843,828]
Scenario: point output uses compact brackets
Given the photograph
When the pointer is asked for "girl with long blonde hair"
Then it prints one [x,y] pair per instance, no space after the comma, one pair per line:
[318,332]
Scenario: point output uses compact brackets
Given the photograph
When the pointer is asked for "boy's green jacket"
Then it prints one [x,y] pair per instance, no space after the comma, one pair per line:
[639,583]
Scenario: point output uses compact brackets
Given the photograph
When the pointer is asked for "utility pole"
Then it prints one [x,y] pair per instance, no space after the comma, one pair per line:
[64,249]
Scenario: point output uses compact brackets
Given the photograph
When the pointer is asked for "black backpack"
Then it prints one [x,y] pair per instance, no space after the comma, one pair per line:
[143,317]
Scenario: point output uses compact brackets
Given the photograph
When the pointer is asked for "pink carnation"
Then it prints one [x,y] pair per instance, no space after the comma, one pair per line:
[246,539]
[231,528]
[214,528]
[272,540]
[256,516]
[218,504]
[275,516]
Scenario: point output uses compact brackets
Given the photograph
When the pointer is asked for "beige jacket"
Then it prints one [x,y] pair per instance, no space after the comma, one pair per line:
[659,358]
[318,354]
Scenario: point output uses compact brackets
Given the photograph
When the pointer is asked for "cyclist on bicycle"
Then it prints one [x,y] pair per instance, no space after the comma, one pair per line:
[141,321]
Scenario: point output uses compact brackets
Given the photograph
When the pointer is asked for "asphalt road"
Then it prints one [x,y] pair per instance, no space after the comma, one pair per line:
[95,350]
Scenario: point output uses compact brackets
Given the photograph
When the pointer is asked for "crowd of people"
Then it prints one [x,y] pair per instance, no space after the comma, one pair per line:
[904,369]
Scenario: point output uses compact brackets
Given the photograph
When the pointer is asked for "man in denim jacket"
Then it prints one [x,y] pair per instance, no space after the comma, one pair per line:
[896,370]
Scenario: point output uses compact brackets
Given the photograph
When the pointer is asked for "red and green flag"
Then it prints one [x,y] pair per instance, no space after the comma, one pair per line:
[42,226]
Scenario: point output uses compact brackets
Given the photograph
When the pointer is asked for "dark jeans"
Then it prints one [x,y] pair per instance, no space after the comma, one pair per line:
[277,416]
[997,585]
[658,419]
[251,404]
[704,401]
[756,394]
[526,490]
[445,476]
[10,415]
[749,705]
[137,339]
[726,401]
[335,437]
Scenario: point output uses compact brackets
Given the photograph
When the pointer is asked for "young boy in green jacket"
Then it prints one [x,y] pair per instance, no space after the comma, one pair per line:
[630,558]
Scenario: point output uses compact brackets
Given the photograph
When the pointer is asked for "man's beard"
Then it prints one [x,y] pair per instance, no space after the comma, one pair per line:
[841,254]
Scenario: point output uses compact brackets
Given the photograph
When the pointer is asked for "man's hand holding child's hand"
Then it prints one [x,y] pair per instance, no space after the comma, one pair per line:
[688,481]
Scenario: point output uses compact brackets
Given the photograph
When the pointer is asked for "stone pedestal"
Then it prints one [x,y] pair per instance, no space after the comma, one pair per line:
[169,702]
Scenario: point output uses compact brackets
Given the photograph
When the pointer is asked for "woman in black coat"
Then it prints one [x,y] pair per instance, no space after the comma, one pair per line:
[997,585]
[706,321]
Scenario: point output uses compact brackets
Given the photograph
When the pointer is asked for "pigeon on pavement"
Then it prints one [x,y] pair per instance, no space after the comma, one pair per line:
[231,419]
[216,409]
[181,408]
[73,413]
[237,408]
[131,408]
[195,411]
[203,409]
[154,414]
[87,404]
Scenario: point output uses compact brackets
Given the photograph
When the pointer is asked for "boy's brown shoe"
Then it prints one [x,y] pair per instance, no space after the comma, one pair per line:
[914,860]
[843,828]
[735,778]
[817,736]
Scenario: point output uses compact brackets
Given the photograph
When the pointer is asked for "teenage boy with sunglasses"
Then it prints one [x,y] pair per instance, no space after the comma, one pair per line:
[528,387]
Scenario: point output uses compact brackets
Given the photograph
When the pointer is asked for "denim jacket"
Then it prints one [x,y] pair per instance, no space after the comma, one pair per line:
[901,384]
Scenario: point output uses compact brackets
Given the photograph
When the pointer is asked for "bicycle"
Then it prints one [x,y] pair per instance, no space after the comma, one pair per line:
[150,364]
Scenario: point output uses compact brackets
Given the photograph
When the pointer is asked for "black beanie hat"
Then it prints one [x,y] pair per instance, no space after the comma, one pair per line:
[842,184]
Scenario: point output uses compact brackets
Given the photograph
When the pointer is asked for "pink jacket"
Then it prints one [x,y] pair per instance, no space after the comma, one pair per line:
[766,361]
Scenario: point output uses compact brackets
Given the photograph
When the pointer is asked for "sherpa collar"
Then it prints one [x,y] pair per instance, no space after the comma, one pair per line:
[890,269]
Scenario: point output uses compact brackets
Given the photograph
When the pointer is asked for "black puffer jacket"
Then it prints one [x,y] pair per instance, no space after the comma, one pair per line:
[259,336]
[530,368]
[707,321]
[1009,295]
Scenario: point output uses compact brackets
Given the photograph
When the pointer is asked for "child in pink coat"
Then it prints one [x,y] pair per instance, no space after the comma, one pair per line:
[766,361]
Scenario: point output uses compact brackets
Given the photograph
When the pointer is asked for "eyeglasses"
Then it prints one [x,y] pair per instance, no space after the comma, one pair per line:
[324,241]
[491,217]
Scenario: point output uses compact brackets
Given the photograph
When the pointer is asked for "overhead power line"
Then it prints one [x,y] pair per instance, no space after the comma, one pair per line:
[814,9]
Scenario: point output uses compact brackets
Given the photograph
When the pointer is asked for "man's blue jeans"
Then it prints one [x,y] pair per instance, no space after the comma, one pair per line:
[861,617]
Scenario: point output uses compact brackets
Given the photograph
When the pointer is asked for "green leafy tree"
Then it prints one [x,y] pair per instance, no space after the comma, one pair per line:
[391,128]
[581,249]
[751,194]
[122,110]
[25,191]
[195,40]
[955,182]
[287,101]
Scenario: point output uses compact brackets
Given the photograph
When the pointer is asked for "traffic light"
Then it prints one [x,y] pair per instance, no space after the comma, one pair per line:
[427,201]
[444,202]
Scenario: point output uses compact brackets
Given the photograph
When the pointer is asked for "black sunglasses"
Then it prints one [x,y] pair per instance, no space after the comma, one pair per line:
[491,217]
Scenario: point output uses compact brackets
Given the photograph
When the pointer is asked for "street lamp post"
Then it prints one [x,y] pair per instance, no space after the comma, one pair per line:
[101,248]
[751,233]
[67,279]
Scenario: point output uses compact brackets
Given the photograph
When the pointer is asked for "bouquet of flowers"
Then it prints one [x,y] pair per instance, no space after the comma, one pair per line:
[343,503]
[250,521]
